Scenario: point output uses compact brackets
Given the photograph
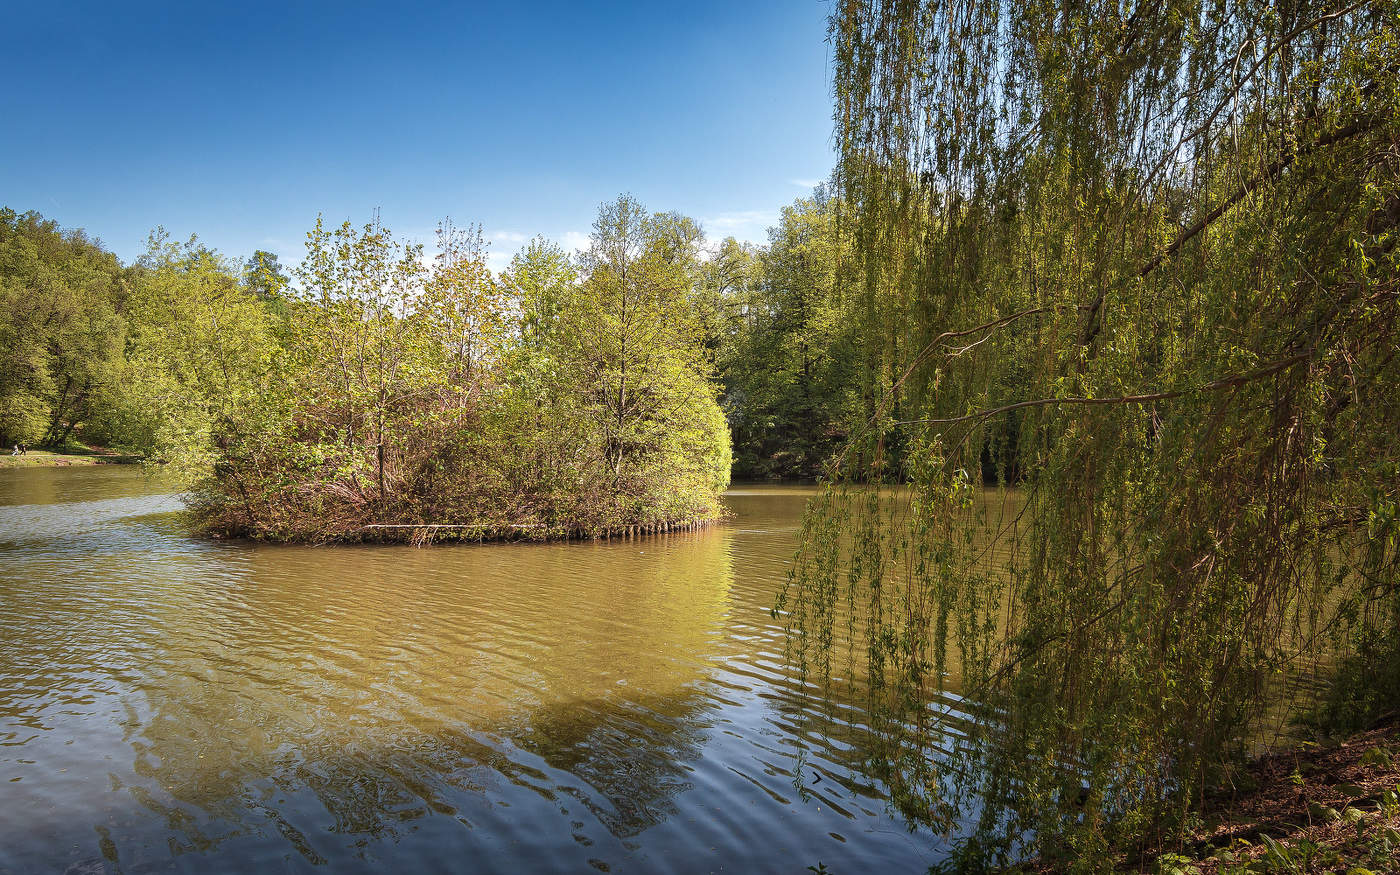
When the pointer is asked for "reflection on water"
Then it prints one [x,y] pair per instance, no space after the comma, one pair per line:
[168,702]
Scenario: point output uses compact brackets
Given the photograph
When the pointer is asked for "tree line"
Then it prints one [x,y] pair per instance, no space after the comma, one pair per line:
[382,382]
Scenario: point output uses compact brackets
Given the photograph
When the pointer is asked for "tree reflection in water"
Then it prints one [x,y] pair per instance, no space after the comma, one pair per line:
[518,706]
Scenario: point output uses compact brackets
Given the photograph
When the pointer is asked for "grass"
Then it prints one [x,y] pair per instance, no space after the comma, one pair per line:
[58,457]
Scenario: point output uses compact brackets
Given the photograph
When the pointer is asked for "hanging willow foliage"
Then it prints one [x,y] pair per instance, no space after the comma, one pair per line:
[1141,260]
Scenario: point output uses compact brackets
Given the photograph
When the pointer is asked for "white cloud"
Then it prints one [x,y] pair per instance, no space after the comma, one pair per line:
[748,226]
[572,241]
[505,244]
[806,183]
[502,248]
[498,260]
[503,238]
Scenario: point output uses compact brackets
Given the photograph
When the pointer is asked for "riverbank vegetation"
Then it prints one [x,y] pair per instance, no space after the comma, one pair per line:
[409,395]
[61,332]
[72,455]
[1141,262]
[1307,809]
[1316,809]
[381,392]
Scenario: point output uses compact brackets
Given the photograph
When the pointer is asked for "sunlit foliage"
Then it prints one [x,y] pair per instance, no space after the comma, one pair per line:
[418,397]
[61,331]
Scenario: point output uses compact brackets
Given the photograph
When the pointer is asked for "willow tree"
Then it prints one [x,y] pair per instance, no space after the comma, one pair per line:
[1140,260]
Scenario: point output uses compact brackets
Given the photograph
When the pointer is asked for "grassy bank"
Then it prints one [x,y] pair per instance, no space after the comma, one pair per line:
[50,459]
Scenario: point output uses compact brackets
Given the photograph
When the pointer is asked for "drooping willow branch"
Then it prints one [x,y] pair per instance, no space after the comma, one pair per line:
[928,349]
[1092,324]
[1125,633]
[1360,126]
[1249,75]
[1214,385]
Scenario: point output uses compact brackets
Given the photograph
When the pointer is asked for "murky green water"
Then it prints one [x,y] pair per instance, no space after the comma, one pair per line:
[170,703]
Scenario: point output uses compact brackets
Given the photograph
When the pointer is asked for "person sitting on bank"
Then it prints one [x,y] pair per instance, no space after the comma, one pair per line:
[16,452]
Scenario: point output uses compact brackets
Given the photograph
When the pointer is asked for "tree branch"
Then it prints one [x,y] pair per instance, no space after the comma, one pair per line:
[1214,385]
[1092,323]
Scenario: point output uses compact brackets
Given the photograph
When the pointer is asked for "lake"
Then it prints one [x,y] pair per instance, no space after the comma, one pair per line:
[169,703]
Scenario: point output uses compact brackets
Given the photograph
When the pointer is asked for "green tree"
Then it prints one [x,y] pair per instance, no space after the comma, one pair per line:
[466,311]
[728,276]
[263,275]
[355,357]
[542,277]
[61,330]
[424,395]
[793,372]
[199,354]
[630,342]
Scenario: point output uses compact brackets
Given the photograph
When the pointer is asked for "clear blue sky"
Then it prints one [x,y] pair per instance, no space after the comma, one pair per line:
[239,122]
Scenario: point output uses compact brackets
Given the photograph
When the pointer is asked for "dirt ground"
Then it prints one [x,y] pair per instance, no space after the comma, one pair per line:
[1313,809]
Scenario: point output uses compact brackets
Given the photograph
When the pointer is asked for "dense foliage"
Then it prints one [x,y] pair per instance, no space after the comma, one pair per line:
[61,330]
[794,365]
[378,393]
[567,397]
[183,336]
[1139,261]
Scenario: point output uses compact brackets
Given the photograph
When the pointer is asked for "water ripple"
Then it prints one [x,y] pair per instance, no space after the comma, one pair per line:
[167,702]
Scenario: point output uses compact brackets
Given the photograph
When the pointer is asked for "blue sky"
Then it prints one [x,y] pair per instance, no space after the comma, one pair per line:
[239,122]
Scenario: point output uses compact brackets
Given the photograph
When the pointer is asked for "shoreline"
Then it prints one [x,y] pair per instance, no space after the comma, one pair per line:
[429,534]
[1309,809]
[46,459]
[1322,808]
